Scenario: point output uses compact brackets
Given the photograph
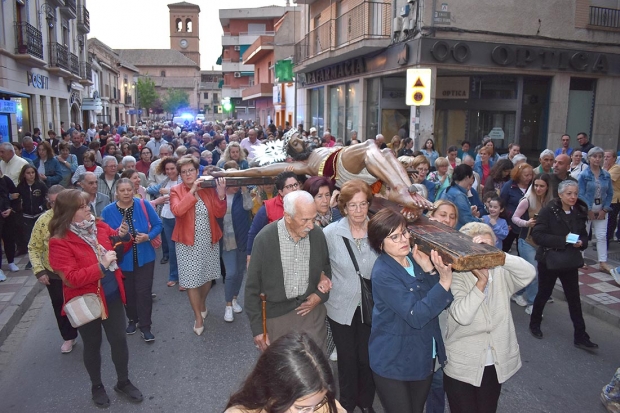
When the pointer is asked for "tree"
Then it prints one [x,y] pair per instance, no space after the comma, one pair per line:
[174,100]
[146,92]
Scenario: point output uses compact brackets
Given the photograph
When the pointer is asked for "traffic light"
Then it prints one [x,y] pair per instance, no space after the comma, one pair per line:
[227,105]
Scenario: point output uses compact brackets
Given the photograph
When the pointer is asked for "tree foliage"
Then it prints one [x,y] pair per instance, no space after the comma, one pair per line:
[174,100]
[146,92]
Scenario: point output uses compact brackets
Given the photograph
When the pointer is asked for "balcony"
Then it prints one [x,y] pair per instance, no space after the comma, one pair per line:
[29,44]
[263,46]
[59,59]
[83,20]
[56,3]
[242,38]
[86,73]
[604,17]
[361,30]
[229,65]
[261,90]
[74,65]
[69,9]
[229,91]
[128,100]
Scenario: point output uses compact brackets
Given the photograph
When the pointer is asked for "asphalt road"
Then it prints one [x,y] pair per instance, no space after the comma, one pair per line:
[181,372]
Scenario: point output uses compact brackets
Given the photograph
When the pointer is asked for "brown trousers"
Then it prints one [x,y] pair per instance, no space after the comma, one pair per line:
[312,323]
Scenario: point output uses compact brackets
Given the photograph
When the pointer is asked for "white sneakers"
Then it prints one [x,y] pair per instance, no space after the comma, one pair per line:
[236,307]
[13,267]
[334,356]
[228,314]
[2,276]
[522,302]
[67,346]
[528,309]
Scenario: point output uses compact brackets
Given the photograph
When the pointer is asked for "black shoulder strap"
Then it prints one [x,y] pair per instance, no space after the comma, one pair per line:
[348,245]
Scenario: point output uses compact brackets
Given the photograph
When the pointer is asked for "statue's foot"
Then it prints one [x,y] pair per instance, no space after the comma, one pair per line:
[411,214]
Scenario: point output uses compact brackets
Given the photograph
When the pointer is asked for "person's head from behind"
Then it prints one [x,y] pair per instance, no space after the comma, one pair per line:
[480,232]
[463,175]
[445,212]
[292,375]
[71,206]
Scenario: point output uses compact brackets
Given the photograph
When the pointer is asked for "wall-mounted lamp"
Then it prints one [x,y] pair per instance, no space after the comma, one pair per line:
[50,14]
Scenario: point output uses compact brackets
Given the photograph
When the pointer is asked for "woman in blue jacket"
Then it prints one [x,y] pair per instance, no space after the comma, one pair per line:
[47,165]
[138,264]
[409,295]
[462,180]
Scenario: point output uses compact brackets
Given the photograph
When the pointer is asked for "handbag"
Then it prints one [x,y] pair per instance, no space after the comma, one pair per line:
[563,259]
[84,308]
[155,242]
[367,302]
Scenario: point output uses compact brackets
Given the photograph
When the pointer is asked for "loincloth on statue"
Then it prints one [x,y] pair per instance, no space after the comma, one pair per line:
[333,168]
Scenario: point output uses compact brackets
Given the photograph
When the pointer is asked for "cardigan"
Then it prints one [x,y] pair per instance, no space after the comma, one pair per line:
[477,322]
[182,205]
[265,275]
[146,253]
[345,295]
[405,320]
[38,246]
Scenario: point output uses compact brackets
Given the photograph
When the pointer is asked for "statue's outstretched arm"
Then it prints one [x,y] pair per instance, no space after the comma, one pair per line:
[299,168]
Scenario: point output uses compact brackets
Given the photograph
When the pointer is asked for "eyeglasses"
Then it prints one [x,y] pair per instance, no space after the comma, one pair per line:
[311,409]
[405,235]
[354,207]
[188,171]
[292,186]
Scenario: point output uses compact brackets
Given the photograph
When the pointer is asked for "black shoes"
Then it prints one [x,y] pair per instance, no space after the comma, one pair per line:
[536,332]
[147,335]
[131,327]
[164,260]
[129,391]
[585,344]
[100,397]
[368,410]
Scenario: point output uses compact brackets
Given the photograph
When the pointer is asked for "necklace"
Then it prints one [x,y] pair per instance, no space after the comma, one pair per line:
[358,243]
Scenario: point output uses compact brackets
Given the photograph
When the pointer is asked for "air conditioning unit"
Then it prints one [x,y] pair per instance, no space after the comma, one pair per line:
[237,74]
[237,48]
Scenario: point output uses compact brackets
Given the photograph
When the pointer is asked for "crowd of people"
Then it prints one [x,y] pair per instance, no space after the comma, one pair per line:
[93,207]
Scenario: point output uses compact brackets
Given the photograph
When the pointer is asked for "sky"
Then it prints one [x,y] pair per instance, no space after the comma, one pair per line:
[144,24]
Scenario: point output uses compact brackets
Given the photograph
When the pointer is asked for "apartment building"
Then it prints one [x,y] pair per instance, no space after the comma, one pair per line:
[44,70]
[523,72]
[210,94]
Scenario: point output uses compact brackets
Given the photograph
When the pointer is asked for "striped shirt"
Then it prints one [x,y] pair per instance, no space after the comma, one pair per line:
[295,258]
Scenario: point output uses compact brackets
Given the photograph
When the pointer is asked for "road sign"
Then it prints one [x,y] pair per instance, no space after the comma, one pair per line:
[418,91]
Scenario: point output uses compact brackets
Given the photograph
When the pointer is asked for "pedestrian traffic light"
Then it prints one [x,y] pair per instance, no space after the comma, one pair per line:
[227,105]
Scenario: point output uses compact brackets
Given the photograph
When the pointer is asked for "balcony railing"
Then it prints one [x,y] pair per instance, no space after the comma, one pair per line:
[28,40]
[83,20]
[86,71]
[367,21]
[59,56]
[128,100]
[603,17]
[74,62]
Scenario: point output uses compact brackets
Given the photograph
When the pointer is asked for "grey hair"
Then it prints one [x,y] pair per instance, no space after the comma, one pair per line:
[379,135]
[166,146]
[591,152]
[127,159]
[206,153]
[107,160]
[84,175]
[467,158]
[27,139]
[7,146]
[290,201]
[518,158]
[565,184]
[547,152]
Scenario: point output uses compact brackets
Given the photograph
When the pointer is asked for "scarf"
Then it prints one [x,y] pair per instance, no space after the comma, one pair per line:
[87,231]
[324,220]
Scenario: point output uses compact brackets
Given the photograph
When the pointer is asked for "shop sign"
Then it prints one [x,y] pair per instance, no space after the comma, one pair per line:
[441,17]
[418,92]
[351,67]
[496,133]
[8,106]
[452,88]
[37,80]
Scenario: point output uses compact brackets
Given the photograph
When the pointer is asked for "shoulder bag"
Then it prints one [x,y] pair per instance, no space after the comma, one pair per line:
[84,308]
[565,258]
[367,301]
[155,242]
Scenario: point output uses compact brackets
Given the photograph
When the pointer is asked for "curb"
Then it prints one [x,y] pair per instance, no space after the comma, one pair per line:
[21,302]
[592,308]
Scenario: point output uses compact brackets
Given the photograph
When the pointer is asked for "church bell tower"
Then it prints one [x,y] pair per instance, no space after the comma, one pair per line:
[184,29]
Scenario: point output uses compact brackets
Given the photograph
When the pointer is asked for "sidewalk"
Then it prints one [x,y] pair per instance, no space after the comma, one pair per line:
[16,295]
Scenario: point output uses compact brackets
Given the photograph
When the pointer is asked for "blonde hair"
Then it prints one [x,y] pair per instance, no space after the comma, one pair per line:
[441,161]
[474,229]
[440,203]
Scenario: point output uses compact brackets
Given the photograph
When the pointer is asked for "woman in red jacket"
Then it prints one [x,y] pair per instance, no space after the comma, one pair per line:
[81,252]
[197,234]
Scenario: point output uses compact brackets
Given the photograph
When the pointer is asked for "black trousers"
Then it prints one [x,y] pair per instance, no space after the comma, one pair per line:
[21,239]
[138,288]
[357,387]
[64,326]
[9,231]
[612,222]
[114,327]
[466,398]
[570,284]
[402,396]
[509,240]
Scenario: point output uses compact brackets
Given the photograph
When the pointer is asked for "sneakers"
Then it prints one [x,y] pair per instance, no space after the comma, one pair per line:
[131,327]
[603,266]
[585,344]
[67,346]
[129,391]
[614,273]
[228,314]
[13,267]
[334,355]
[147,335]
[519,300]
[528,309]
[2,276]
[100,397]
[28,266]
[236,307]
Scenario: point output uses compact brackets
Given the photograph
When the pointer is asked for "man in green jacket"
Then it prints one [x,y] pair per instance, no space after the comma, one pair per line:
[289,258]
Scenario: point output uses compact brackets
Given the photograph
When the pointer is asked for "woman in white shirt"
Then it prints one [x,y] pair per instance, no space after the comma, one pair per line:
[577,166]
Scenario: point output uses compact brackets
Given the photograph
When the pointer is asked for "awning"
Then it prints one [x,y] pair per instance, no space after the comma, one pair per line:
[247,73]
[13,94]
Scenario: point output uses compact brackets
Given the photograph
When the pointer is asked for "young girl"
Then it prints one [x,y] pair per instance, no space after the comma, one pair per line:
[499,225]
[32,192]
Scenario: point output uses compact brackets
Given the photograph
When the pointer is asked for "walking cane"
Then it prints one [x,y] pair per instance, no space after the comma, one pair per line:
[263,299]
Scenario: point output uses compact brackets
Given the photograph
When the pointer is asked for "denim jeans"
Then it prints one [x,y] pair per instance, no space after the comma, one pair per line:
[234,262]
[528,253]
[164,245]
[168,224]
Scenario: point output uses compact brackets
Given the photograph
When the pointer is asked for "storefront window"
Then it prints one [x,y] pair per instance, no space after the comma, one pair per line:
[373,88]
[343,110]
[352,118]
[317,104]
[534,115]
[23,116]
